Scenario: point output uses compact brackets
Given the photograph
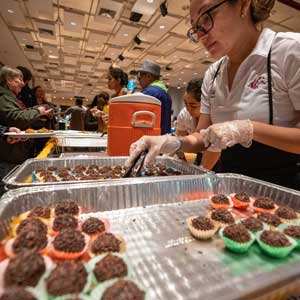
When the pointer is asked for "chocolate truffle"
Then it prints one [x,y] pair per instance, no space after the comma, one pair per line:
[16,293]
[32,224]
[220,199]
[64,221]
[110,267]
[69,277]
[264,202]
[123,290]
[269,219]
[237,233]
[29,240]
[202,223]
[106,242]
[293,231]
[274,238]
[286,213]
[67,207]
[69,240]
[243,197]
[25,269]
[222,216]
[40,212]
[253,224]
[93,225]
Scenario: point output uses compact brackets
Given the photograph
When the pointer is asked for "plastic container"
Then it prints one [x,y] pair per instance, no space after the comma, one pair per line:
[131,117]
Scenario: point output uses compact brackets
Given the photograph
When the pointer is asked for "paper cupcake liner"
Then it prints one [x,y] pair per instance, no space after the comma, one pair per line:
[98,292]
[263,210]
[235,246]
[281,228]
[200,234]
[237,203]
[265,227]
[219,206]
[277,252]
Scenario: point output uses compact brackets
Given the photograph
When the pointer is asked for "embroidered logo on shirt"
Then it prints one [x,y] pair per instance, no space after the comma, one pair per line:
[257,82]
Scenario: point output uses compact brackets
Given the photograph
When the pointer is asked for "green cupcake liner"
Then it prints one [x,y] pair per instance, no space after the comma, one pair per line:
[235,246]
[69,297]
[281,228]
[277,252]
[97,293]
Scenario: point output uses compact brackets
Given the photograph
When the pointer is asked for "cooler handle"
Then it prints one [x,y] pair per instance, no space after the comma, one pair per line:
[143,124]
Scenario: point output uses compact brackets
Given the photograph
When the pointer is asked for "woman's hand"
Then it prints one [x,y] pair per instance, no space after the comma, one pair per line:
[155,144]
[228,134]
[44,111]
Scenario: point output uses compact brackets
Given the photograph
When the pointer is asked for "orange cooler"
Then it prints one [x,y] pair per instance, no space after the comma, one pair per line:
[131,117]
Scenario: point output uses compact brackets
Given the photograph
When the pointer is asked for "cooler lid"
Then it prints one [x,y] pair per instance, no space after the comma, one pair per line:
[136,97]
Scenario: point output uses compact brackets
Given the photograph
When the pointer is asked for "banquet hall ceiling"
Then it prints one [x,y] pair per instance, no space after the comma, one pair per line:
[70,44]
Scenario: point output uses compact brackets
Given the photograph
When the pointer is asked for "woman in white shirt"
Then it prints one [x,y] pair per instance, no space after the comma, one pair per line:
[188,117]
[250,97]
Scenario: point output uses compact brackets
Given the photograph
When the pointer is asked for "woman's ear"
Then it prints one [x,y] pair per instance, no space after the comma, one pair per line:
[245,7]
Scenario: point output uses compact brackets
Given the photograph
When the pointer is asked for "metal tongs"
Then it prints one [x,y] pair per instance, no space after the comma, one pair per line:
[135,169]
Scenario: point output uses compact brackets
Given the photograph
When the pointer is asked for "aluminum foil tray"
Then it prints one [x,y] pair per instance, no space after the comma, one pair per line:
[168,262]
[21,176]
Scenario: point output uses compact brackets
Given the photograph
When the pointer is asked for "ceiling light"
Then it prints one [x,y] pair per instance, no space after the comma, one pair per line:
[195,73]
[170,44]
[126,34]
[162,26]
[179,87]
[149,1]
[182,72]
[10,11]
[180,79]
[53,56]
[62,97]
[73,23]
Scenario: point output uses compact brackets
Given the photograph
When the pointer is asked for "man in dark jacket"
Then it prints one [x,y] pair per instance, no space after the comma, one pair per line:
[149,77]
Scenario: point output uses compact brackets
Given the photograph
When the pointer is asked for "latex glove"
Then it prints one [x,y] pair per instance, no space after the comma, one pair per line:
[13,140]
[228,134]
[155,144]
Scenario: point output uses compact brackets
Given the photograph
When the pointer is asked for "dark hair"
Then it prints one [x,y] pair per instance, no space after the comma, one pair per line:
[27,75]
[118,73]
[102,95]
[35,89]
[78,101]
[194,88]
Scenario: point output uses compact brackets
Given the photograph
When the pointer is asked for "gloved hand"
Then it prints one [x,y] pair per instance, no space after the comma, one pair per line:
[155,144]
[227,134]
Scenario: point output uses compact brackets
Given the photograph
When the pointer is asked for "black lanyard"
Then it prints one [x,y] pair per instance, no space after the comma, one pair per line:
[269,84]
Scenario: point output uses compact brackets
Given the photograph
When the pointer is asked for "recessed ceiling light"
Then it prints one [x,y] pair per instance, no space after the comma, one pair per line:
[150,1]
[170,44]
[54,97]
[179,87]
[52,56]
[73,23]
[126,34]
[195,73]
[10,11]
[180,79]
[184,83]
[182,72]
[62,97]
[162,26]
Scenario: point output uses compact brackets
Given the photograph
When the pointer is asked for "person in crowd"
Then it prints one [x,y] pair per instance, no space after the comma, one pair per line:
[77,115]
[117,81]
[250,97]
[149,78]
[188,117]
[12,115]
[99,107]
[26,95]
[49,121]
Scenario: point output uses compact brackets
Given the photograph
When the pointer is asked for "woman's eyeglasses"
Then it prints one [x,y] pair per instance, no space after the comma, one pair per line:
[204,24]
